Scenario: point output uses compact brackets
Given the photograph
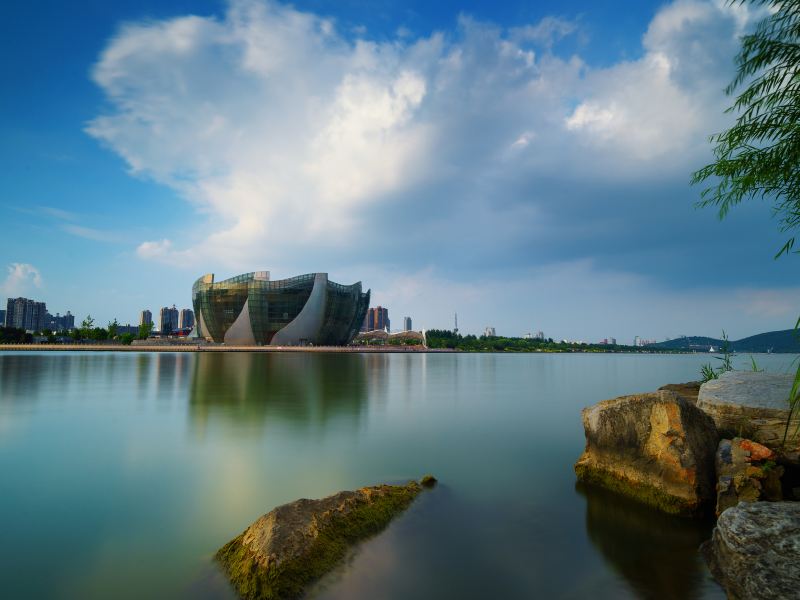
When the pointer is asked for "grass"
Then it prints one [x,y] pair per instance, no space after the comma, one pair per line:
[290,578]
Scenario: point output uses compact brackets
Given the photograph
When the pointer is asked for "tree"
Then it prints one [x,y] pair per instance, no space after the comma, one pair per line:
[113,329]
[144,331]
[86,327]
[759,156]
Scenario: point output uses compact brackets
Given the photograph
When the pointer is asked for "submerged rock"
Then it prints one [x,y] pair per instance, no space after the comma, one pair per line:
[746,471]
[296,543]
[750,404]
[657,448]
[755,549]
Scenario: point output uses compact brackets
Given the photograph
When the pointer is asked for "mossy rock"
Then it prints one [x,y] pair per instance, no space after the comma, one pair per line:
[293,545]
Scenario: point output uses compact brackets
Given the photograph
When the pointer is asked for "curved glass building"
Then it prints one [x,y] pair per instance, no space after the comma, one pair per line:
[252,310]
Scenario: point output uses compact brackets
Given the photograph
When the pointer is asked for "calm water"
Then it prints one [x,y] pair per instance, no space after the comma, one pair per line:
[121,474]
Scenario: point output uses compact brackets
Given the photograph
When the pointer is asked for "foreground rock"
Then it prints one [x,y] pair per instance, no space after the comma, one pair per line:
[750,404]
[293,545]
[657,448]
[755,549]
[688,391]
[746,471]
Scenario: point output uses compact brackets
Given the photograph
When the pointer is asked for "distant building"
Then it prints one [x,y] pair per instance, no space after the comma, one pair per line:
[168,320]
[60,322]
[186,319]
[407,324]
[2,318]
[489,332]
[612,341]
[377,319]
[26,314]
[145,317]
[637,341]
[123,329]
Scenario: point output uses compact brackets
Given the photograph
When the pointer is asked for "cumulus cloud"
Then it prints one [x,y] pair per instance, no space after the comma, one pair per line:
[303,148]
[22,278]
[283,130]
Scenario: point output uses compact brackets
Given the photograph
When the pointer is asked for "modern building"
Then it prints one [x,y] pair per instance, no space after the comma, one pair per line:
[489,332]
[186,318]
[60,322]
[26,314]
[145,317]
[407,324]
[168,320]
[2,318]
[251,309]
[376,319]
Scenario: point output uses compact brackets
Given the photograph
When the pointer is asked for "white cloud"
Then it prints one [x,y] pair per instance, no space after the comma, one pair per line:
[284,132]
[22,278]
[306,149]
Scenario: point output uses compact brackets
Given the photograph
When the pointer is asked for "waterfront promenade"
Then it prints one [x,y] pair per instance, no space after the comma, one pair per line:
[214,348]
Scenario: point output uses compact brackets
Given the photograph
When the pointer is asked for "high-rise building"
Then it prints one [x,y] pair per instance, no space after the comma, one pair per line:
[23,313]
[489,332]
[168,320]
[2,318]
[376,319]
[60,322]
[186,318]
[407,324]
[145,317]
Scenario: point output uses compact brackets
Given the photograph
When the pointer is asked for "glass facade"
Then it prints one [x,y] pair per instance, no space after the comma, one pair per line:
[272,305]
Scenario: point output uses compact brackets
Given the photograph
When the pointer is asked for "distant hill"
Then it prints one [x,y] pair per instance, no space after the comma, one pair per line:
[787,340]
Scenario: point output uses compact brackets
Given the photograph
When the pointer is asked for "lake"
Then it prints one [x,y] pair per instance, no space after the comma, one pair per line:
[121,474]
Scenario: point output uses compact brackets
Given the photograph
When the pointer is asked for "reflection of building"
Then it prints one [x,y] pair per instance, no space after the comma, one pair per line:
[186,319]
[168,320]
[23,313]
[407,324]
[250,309]
[145,317]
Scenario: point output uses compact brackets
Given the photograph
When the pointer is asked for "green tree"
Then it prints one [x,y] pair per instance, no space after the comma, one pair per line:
[86,327]
[144,331]
[113,329]
[759,156]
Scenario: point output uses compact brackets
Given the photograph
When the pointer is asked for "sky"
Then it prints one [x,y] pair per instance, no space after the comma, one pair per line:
[525,164]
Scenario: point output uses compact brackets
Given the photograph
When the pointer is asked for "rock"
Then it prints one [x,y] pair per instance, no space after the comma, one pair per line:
[746,471]
[283,551]
[750,404]
[657,448]
[755,549]
[428,481]
[688,391]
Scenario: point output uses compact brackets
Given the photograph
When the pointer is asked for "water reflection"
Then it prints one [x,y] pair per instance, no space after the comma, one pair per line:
[655,553]
[300,389]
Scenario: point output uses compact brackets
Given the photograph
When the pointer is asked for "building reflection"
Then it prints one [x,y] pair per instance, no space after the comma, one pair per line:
[300,389]
[655,553]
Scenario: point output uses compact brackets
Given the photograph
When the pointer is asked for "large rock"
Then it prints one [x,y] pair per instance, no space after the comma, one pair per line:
[746,471]
[655,447]
[750,404]
[754,551]
[293,545]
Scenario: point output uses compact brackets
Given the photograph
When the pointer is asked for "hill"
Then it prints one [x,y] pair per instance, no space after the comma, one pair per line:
[786,340]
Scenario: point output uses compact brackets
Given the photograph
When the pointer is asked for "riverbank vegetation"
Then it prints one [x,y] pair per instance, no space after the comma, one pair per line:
[441,338]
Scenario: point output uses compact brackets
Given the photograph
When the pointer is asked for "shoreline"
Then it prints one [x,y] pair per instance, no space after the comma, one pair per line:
[317,349]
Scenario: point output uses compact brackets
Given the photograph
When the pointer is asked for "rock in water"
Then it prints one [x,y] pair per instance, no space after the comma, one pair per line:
[293,545]
[749,404]
[657,448]
[755,549]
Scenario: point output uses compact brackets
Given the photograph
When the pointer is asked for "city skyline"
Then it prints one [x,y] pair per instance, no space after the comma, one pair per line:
[570,212]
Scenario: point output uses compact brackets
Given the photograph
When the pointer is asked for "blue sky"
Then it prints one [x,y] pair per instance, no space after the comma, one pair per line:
[525,164]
